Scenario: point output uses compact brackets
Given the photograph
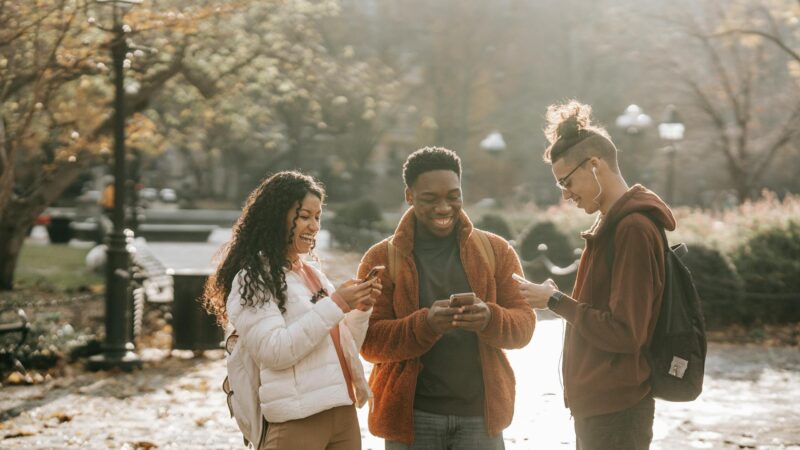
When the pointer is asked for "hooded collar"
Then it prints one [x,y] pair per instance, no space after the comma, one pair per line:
[637,199]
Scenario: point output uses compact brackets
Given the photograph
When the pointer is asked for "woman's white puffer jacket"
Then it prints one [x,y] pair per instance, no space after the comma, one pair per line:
[299,370]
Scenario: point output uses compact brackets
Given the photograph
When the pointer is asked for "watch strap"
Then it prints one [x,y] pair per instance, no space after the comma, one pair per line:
[555,299]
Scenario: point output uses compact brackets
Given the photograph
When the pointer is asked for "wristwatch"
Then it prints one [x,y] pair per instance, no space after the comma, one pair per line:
[554,300]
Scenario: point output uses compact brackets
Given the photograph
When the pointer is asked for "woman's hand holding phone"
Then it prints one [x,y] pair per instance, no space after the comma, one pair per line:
[358,294]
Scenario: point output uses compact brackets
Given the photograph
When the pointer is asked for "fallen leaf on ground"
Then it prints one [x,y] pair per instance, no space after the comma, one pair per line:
[201,421]
[16,378]
[61,416]
[22,432]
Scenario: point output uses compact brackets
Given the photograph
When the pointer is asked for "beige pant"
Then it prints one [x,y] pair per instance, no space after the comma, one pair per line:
[334,429]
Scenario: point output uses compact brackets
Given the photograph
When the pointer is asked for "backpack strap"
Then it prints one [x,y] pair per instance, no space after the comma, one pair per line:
[391,260]
[484,246]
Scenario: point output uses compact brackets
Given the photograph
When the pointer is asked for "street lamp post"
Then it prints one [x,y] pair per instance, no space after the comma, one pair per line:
[634,122]
[495,145]
[671,129]
[117,352]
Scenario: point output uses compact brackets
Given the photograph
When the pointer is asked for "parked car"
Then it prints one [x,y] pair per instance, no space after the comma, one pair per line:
[168,195]
[148,194]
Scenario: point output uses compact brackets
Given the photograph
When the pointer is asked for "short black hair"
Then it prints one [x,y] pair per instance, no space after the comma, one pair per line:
[428,159]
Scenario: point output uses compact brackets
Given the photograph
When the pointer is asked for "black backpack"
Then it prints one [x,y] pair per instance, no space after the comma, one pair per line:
[677,352]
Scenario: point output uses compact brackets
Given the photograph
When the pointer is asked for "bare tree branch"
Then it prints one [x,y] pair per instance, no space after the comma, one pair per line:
[788,131]
[769,37]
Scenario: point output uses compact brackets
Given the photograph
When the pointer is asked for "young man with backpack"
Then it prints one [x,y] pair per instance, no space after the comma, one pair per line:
[441,379]
[613,310]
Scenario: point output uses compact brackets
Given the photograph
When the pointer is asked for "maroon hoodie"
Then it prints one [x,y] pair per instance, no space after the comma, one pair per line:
[613,314]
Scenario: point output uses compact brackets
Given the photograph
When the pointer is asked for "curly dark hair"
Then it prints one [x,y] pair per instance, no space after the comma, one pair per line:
[428,159]
[570,124]
[259,244]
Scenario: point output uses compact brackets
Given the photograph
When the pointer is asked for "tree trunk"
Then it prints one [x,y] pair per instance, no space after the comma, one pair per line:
[13,231]
[20,214]
[742,189]
[6,188]
[6,170]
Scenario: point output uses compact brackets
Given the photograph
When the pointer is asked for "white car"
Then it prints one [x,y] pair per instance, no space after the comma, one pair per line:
[168,195]
[148,194]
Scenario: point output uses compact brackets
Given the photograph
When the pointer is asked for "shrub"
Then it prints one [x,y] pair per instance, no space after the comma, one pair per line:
[560,251]
[352,238]
[720,287]
[769,264]
[559,248]
[49,342]
[497,224]
[362,213]
[357,225]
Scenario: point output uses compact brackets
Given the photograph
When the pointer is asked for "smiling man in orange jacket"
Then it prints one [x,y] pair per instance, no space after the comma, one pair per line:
[441,379]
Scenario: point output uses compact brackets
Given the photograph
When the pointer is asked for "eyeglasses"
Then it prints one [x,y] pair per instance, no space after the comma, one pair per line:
[562,182]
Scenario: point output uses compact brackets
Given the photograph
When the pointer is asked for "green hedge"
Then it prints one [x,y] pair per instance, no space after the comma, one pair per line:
[361,213]
[560,249]
[357,225]
[49,342]
[497,224]
[769,264]
[720,287]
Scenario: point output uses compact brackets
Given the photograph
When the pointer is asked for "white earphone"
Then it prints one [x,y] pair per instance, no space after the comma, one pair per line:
[599,186]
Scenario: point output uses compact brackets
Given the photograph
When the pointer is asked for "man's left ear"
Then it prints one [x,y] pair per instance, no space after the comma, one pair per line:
[595,163]
[409,197]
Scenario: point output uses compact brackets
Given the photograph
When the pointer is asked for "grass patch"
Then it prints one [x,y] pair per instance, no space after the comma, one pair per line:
[57,268]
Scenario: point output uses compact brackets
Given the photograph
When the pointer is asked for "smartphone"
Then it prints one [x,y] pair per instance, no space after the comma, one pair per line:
[462,299]
[519,278]
[374,272]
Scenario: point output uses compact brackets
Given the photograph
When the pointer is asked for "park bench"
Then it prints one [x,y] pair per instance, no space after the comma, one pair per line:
[155,232]
[175,288]
[151,282]
[14,321]
[169,232]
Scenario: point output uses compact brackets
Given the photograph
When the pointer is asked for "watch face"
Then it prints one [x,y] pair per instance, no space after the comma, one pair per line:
[554,299]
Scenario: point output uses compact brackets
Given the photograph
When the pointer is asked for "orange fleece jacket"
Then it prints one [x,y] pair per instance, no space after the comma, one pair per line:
[399,333]
[614,312]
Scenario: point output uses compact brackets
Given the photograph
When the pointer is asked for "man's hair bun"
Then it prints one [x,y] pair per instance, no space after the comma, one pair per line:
[567,121]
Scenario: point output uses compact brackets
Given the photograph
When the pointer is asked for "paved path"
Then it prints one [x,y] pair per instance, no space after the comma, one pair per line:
[749,402]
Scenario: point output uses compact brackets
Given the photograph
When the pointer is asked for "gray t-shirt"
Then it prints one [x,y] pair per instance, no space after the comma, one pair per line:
[451,381]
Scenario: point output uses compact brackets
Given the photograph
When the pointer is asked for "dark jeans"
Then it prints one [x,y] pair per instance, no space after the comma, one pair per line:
[440,432]
[629,429]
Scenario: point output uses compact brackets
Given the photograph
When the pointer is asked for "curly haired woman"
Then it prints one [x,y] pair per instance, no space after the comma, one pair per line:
[303,334]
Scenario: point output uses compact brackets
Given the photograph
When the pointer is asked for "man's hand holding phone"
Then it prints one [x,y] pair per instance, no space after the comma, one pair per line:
[440,316]
[537,294]
[464,311]
[472,313]
[462,299]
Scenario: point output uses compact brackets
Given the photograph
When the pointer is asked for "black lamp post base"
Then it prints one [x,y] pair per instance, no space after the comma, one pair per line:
[126,361]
